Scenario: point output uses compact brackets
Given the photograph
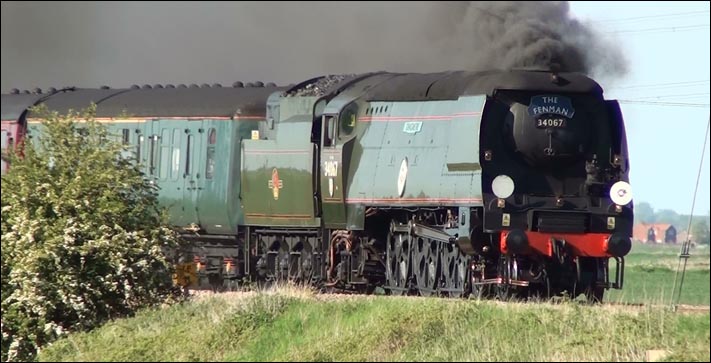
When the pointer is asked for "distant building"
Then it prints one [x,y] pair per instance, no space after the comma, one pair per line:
[655,233]
[670,235]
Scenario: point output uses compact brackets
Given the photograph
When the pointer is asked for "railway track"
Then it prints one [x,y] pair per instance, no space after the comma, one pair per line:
[310,293]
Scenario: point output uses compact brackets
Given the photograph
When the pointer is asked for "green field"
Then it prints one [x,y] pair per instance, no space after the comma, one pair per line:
[650,272]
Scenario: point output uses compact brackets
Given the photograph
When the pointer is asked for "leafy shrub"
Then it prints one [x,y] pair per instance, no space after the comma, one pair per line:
[83,239]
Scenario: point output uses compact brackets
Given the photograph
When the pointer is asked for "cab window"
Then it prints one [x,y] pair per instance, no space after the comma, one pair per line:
[329,130]
[348,119]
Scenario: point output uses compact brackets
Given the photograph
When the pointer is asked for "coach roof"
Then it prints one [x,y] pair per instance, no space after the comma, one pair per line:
[14,105]
[165,102]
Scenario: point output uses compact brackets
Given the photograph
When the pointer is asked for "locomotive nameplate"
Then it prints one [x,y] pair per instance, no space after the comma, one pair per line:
[550,111]
[551,105]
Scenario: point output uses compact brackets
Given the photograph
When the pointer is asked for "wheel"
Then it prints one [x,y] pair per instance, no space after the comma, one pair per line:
[426,266]
[502,292]
[595,294]
[478,291]
[454,271]
[540,291]
[590,272]
[398,264]
[216,282]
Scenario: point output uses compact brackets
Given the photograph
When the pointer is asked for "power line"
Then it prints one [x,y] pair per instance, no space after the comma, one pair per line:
[634,19]
[687,244]
[660,97]
[669,29]
[700,98]
[665,93]
[670,96]
[660,103]
[661,85]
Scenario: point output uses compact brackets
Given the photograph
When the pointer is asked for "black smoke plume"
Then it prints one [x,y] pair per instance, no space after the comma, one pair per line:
[90,44]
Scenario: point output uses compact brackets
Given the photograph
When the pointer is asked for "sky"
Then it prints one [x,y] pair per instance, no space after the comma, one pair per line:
[667,46]
[664,95]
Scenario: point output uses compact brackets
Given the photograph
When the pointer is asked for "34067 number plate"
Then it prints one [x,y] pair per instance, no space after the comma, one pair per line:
[544,122]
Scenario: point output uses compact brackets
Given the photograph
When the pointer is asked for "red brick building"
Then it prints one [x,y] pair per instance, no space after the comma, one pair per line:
[655,233]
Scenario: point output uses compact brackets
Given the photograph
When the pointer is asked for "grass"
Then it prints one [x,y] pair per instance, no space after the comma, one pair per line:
[296,325]
[303,327]
[650,272]
[197,330]
[667,256]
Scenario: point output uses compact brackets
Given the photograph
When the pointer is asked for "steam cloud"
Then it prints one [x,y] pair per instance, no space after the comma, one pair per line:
[118,44]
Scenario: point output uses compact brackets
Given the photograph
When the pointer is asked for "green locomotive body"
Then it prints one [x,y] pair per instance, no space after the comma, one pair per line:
[506,182]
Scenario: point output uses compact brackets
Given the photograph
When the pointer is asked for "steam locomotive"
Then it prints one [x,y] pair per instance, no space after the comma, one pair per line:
[497,183]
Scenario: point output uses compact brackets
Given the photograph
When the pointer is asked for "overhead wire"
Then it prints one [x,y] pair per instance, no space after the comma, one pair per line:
[662,103]
[685,253]
[644,18]
[668,29]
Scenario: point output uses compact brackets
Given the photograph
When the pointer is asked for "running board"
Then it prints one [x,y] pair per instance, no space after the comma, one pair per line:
[431,233]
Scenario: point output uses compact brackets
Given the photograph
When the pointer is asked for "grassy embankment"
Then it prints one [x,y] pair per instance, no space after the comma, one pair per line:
[296,325]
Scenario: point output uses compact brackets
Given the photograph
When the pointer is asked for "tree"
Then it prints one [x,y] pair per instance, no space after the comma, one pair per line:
[83,239]
[644,213]
[668,216]
[700,232]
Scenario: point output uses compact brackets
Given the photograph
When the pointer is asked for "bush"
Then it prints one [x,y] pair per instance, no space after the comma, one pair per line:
[83,239]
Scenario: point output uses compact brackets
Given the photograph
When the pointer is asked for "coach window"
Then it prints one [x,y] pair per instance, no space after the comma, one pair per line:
[175,170]
[188,149]
[348,119]
[138,148]
[165,155]
[211,141]
[152,157]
